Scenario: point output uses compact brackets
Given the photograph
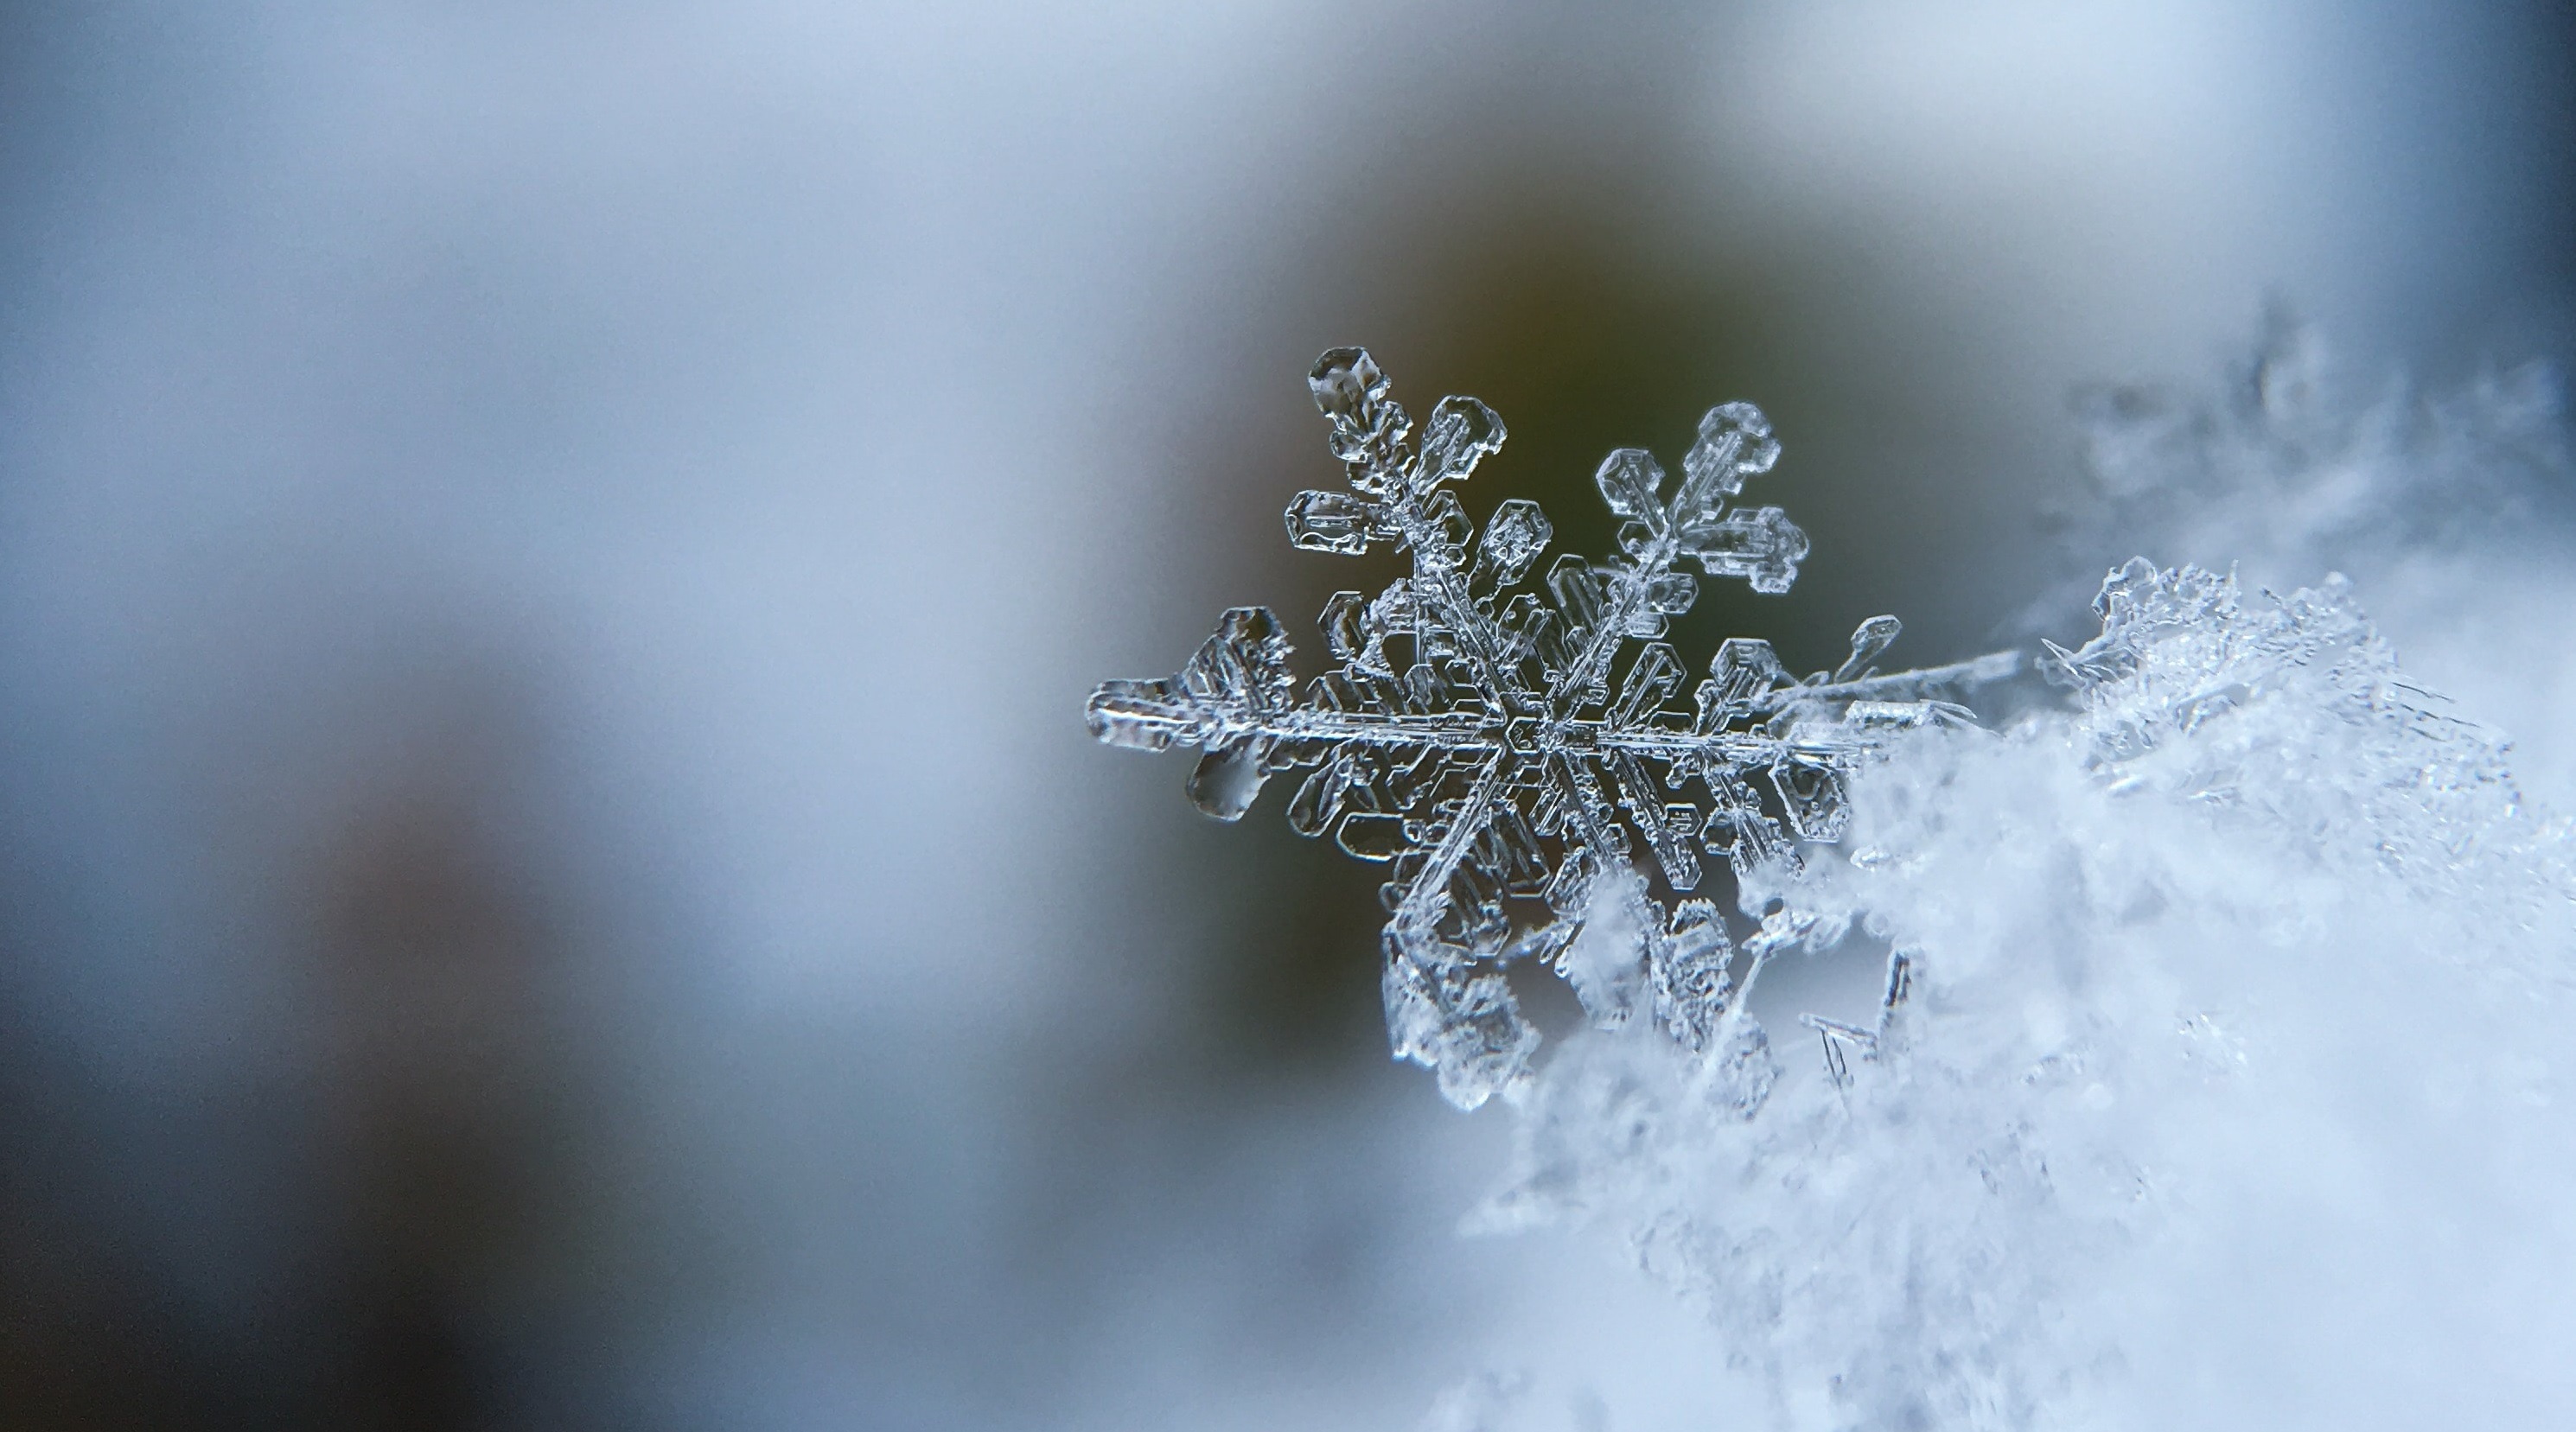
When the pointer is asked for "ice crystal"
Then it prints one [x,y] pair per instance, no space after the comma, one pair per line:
[1508,750]
[2451,503]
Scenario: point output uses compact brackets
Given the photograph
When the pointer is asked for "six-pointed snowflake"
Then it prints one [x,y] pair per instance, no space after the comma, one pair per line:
[1489,745]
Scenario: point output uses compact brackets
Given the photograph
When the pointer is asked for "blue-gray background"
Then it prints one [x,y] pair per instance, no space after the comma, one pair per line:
[550,871]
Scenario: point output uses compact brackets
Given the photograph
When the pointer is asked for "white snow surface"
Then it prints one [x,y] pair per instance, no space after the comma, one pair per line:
[2229,1089]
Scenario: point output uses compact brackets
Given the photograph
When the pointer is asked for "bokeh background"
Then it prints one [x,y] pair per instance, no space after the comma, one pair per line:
[551,874]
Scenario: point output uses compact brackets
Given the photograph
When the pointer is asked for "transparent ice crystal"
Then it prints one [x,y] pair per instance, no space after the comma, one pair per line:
[1507,750]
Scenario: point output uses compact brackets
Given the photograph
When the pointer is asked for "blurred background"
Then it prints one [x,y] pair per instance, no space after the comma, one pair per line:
[551,874]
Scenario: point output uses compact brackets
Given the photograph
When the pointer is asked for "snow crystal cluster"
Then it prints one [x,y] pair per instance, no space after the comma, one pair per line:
[2253,960]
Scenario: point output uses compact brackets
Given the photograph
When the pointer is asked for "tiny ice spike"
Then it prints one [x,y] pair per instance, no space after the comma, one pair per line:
[1489,745]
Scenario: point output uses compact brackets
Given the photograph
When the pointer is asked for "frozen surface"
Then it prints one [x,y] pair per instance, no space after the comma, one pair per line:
[1508,752]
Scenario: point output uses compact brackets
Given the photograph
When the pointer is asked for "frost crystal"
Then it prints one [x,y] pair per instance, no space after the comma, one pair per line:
[2180,649]
[1505,754]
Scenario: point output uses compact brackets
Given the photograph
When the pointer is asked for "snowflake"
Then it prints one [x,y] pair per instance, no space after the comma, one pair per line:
[1471,735]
